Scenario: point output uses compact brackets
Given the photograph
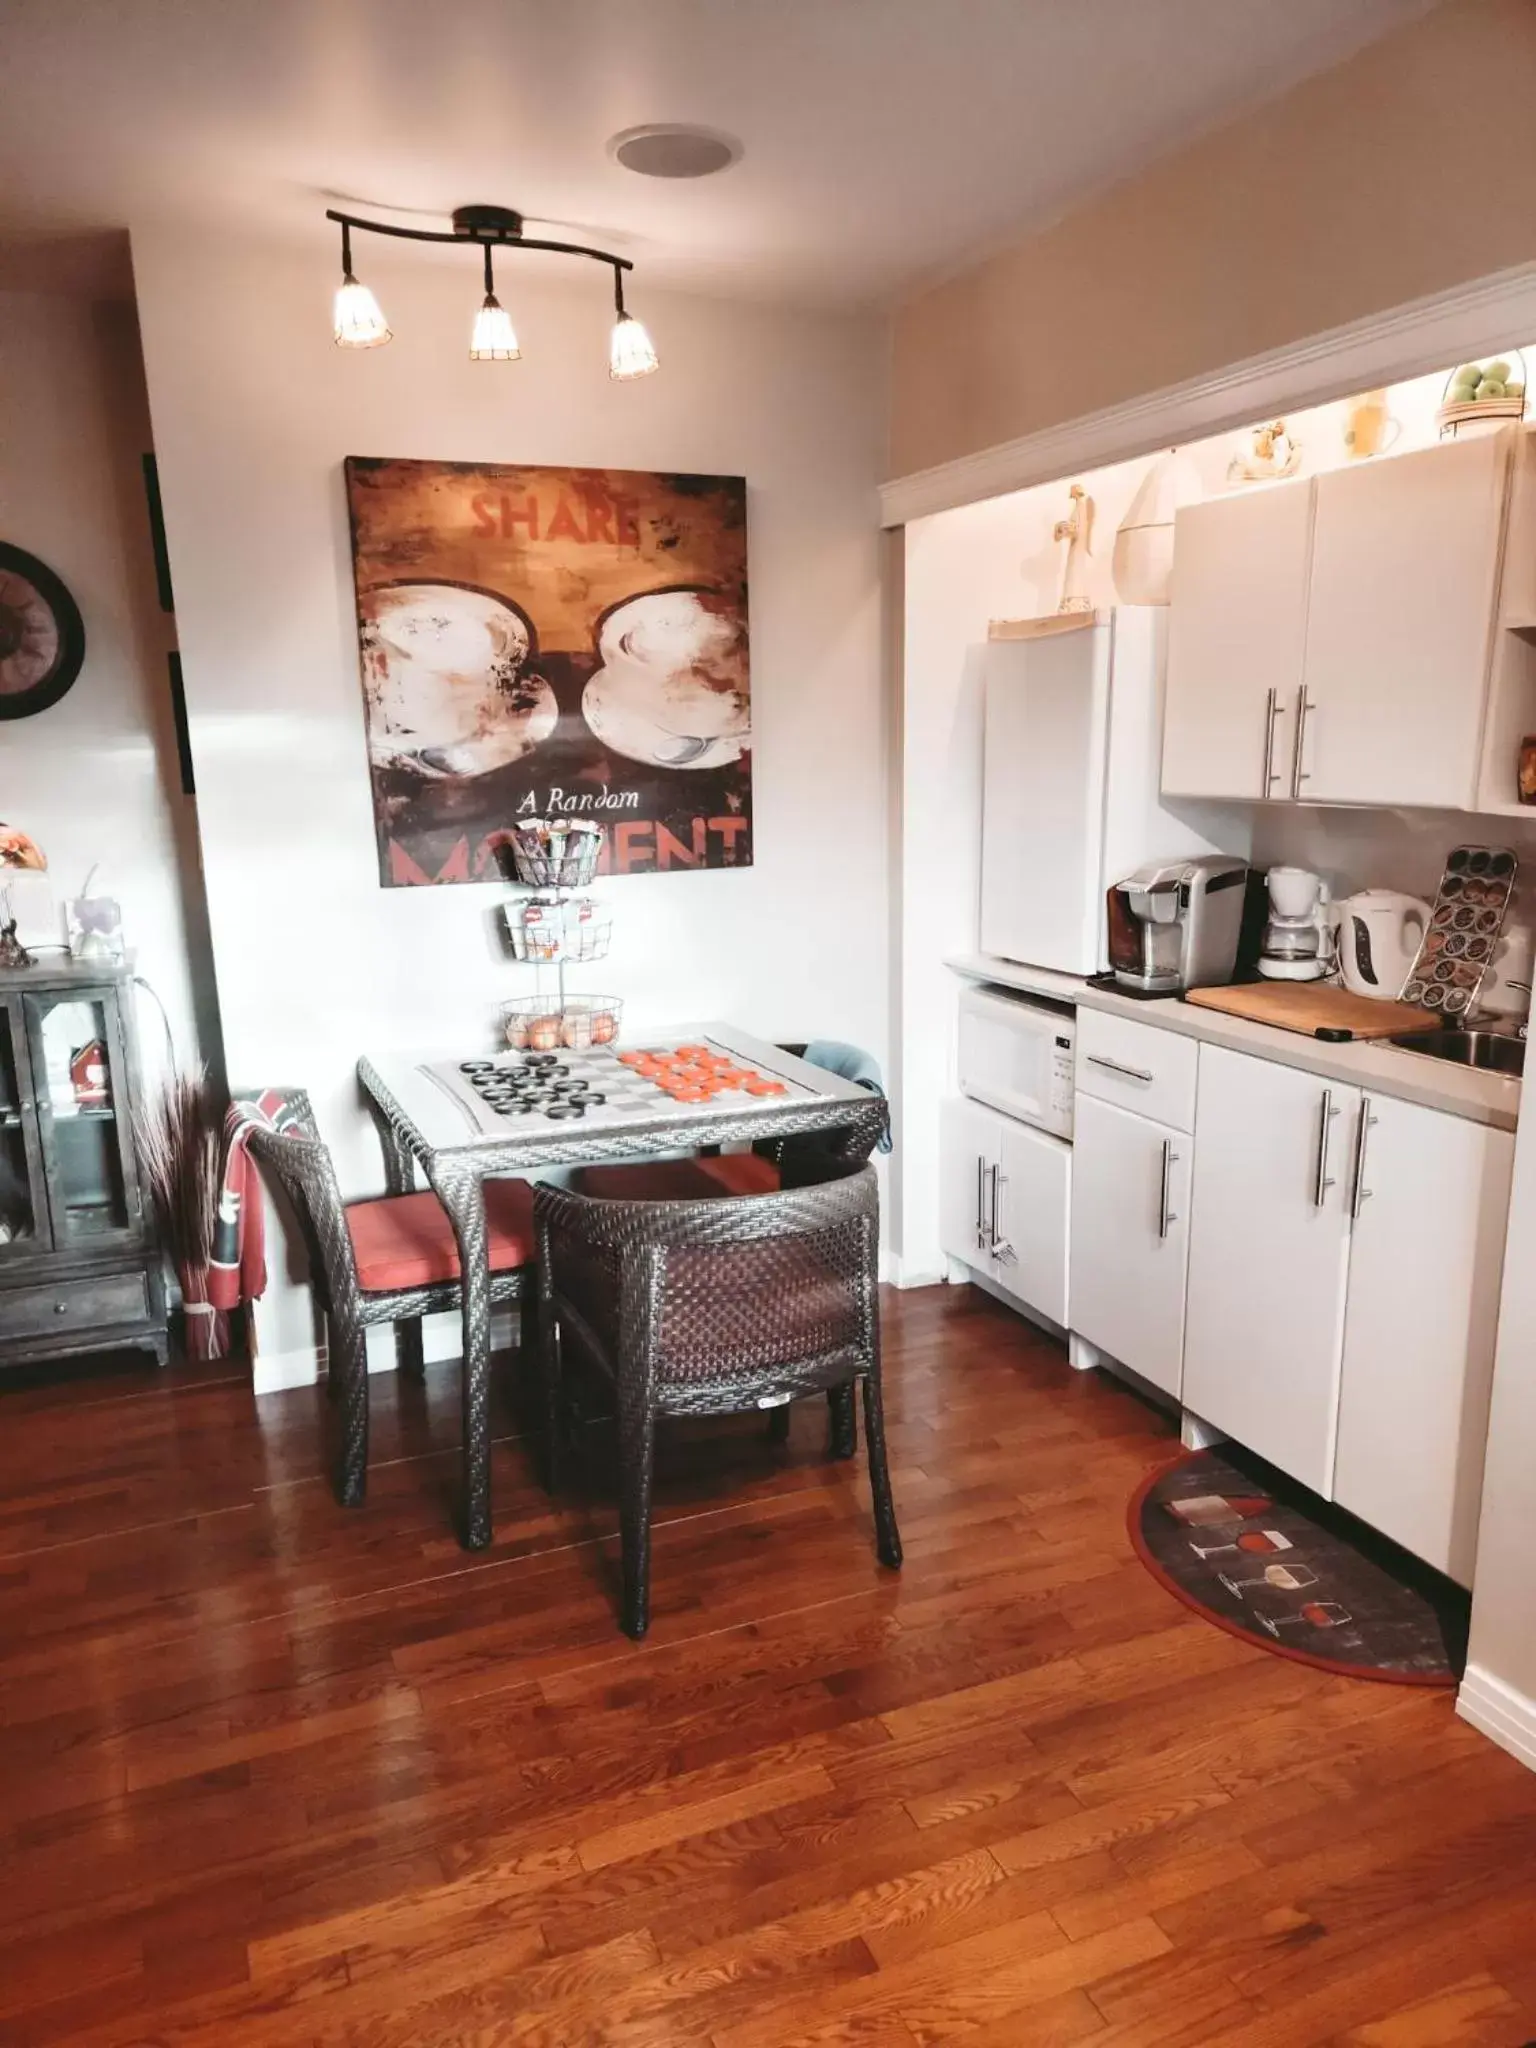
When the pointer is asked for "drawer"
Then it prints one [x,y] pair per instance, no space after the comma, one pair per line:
[68,1305]
[1136,1066]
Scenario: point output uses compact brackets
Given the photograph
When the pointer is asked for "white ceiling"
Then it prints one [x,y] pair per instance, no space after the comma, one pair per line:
[885,139]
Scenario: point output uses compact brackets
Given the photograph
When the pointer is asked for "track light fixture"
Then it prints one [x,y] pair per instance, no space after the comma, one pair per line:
[494,339]
[360,323]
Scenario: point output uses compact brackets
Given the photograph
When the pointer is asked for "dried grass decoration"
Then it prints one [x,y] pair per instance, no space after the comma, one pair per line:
[181,1136]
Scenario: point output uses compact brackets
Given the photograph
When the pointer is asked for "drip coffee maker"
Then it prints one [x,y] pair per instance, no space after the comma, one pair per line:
[1298,943]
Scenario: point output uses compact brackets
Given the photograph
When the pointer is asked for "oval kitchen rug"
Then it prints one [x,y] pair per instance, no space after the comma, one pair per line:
[1267,1560]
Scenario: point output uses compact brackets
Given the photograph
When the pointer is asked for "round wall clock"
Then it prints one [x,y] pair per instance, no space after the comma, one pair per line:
[42,637]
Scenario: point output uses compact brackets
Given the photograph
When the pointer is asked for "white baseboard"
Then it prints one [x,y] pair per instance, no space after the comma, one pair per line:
[275,1372]
[895,1271]
[1496,1710]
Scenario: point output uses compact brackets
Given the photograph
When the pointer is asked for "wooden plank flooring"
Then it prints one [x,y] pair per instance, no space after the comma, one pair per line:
[273,1773]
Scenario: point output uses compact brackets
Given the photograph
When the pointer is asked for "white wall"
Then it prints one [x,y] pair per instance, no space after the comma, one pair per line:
[95,778]
[997,559]
[1500,1690]
[254,409]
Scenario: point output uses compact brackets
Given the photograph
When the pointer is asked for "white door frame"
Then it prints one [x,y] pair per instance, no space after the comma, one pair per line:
[1386,348]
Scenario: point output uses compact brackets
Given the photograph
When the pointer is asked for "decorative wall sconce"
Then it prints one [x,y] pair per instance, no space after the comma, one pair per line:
[359,319]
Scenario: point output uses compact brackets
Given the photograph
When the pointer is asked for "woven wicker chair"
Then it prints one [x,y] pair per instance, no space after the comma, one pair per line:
[709,1308]
[393,1260]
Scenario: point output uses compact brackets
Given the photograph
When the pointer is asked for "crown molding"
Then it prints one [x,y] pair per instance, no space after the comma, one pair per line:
[1383,349]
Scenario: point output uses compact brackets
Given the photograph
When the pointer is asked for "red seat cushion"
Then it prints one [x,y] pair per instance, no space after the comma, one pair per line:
[680,1180]
[407,1240]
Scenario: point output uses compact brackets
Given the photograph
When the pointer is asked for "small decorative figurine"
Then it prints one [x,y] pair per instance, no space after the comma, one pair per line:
[12,952]
[1142,559]
[1275,453]
[1077,531]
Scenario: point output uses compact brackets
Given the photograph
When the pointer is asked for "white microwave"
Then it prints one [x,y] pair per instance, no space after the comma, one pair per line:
[1016,1056]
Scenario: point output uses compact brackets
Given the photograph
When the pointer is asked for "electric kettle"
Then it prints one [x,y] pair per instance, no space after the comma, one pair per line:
[1379,933]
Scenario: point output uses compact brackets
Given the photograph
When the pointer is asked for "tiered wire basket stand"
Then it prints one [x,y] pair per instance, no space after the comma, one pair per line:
[551,926]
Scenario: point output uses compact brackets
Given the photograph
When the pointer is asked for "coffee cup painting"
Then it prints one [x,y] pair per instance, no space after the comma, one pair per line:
[552,643]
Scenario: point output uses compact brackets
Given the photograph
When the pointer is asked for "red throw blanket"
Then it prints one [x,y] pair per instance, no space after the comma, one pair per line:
[237,1272]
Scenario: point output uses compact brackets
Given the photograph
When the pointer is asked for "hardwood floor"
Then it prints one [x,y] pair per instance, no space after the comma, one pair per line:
[274,1773]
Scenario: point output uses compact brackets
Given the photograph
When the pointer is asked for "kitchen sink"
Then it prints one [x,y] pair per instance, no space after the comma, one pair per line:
[1496,1052]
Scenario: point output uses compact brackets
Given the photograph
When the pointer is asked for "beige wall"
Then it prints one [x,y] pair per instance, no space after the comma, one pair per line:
[1407,170]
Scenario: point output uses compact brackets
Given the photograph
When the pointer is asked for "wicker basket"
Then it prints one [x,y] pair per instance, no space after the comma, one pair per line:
[547,930]
[1458,417]
[553,855]
[546,1023]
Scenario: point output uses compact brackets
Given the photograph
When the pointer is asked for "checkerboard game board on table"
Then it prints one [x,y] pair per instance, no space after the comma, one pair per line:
[599,1084]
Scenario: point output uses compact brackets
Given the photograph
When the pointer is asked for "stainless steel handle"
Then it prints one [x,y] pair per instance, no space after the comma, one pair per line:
[1299,775]
[1165,1215]
[1096,1059]
[1323,1181]
[981,1182]
[1271,713]
[1362,1193]
[1000,1248]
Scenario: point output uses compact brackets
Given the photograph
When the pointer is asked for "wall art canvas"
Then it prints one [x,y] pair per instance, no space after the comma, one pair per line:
[541,642]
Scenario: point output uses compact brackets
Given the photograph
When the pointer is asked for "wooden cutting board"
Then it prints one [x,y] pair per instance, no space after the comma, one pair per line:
[1315,1008]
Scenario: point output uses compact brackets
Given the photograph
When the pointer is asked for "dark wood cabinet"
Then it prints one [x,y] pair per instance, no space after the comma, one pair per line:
[79,1269]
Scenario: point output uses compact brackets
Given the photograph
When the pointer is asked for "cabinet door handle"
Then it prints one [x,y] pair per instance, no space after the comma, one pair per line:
[1165,1215]
[1096,1059]
[1271,713]
[1299,775]
[1362,1193]
[999,1246]
[981,1182]
[1323,1180]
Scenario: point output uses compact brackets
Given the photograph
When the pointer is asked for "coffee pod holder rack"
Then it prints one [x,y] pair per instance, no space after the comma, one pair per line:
[555,925]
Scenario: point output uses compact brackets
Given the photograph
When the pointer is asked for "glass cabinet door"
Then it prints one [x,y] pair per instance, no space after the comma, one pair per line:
[23,1203]
[82,1096]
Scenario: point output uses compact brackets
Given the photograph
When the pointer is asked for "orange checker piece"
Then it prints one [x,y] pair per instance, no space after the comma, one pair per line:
[758,1085]
[693,1052]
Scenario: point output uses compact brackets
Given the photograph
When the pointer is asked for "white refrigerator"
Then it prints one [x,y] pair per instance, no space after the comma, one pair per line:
[1070,796]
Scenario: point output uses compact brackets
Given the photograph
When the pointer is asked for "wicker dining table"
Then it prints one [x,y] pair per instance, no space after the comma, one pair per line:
[428,1118]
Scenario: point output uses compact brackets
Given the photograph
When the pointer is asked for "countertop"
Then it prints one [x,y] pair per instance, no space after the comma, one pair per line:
[1370,1064]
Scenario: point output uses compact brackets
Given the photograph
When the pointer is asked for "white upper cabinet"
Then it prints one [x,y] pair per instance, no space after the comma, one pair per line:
[1405,570]
[1331,641]
[1236,633]
[1424,1273]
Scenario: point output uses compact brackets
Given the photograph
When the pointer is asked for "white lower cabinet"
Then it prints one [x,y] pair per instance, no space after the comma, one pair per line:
[1269,1258]
[970,1142]
[1034,1204]
[1424,1271]
[1345,1257]
[1005,1194]
[1130,1238]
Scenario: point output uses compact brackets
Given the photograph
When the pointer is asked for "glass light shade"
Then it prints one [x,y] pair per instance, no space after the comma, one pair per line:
[494,339]
[630,353]
[359,318]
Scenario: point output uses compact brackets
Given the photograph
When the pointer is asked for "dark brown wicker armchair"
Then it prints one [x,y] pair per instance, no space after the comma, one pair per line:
[393,1260]
[711,1307]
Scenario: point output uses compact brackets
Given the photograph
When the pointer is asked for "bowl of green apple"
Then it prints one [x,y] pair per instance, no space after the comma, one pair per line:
[1479,398]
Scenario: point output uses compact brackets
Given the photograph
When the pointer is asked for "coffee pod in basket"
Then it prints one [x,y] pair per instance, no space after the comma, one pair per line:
[581,853]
